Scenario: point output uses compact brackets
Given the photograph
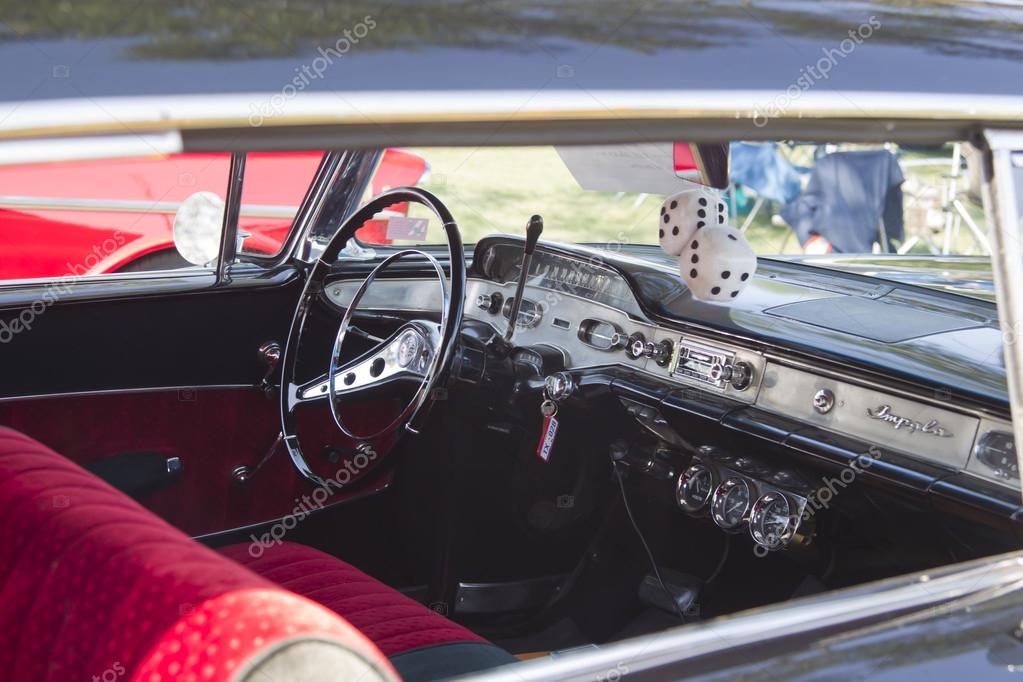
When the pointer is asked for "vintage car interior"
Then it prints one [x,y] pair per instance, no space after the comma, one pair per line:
[482,448]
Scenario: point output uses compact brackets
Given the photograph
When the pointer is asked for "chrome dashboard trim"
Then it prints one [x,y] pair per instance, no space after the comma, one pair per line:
[408,294]
[405,294]
[659,330]
[790,392]
[884,413]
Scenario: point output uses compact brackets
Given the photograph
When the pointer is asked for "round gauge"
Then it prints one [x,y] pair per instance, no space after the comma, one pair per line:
[771,523]
[599,334]
[997,451]
[530,314]
[409,346]
[730,503]
[694,488]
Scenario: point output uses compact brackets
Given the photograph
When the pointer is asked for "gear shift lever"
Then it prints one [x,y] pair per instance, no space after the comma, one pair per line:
[533,231]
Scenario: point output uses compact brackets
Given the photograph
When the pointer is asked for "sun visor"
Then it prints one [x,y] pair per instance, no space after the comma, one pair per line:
[663,168]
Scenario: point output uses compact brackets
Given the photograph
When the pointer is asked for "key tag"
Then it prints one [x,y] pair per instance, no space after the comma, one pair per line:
[548,408]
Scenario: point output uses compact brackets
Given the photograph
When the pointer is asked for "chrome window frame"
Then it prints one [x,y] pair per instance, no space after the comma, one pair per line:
[1003,211]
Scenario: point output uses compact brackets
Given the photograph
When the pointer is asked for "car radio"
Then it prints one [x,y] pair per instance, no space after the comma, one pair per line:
[710,365]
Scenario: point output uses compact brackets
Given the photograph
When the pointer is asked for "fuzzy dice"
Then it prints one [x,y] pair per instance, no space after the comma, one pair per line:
[685,213]
[717,263]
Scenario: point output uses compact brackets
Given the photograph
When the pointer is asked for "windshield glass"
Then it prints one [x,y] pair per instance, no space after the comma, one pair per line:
[911,208]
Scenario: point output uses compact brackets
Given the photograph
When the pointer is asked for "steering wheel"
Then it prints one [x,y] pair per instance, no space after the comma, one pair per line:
[419,352]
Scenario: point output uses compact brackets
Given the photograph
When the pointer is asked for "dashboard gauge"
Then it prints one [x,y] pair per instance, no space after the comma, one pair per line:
[599,334]
[731,503]
[502,263]
[997,451]
[771,523]
[530,313]
[694,488]
[409,347]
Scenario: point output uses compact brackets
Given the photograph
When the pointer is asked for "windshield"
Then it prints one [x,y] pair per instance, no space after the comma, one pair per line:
[911,208]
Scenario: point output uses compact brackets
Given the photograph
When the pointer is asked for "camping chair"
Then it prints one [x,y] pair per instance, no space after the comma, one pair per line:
[853,200]
[943,207]
[763,169]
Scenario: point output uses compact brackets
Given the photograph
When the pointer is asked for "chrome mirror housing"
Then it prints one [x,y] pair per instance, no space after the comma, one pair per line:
[198,224]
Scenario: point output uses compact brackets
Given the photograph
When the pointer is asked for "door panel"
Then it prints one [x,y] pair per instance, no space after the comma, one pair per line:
[177,373]
[212,431]
[118,340]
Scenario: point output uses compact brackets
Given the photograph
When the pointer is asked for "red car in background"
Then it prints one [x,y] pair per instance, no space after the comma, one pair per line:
[116,215]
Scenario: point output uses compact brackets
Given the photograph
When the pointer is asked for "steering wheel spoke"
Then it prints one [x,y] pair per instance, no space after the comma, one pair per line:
[405,355]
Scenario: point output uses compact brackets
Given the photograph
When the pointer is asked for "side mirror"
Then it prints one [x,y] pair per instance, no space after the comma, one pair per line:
[198,225]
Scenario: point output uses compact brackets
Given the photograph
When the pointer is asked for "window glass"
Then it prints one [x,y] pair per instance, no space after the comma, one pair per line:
[80,219]
[788,199]
[275,184]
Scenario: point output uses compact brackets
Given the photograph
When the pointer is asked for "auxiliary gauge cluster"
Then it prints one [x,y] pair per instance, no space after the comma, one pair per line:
[739,493]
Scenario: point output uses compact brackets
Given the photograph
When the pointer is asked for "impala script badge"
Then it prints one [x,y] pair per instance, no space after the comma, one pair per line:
[885,414]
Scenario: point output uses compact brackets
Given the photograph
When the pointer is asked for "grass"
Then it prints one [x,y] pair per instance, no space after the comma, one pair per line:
[493,189]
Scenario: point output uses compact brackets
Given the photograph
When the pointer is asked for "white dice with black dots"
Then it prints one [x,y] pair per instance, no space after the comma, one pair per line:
[685,213]
[717,263]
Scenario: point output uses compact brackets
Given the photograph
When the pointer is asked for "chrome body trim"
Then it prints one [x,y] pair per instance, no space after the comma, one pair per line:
[410,118]
[120,391]
[921,595]
[130,206]
[218,536]
[1003,208]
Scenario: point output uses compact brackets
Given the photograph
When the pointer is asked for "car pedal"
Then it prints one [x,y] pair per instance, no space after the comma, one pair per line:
[506,597]
[683,588]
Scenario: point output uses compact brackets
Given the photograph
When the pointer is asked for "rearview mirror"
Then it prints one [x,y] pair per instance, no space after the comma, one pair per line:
[705,163]
[198,225]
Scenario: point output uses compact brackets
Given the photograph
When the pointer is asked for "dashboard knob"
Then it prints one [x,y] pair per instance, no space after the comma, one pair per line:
[490,303]
[559,385]
[720,372]
[636,346]
[738,374]
[741,376]
[659,352]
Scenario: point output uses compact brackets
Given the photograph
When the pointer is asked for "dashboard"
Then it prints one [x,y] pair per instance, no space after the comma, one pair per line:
[585,309]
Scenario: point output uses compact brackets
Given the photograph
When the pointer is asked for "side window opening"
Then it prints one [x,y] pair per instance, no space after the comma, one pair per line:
[78,219]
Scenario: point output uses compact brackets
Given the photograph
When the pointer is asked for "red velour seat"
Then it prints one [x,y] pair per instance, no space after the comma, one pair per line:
[393,622]
[93,586]
[421,644]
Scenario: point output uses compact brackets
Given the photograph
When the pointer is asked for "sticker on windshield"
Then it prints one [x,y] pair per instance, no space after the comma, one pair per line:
[407,229]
